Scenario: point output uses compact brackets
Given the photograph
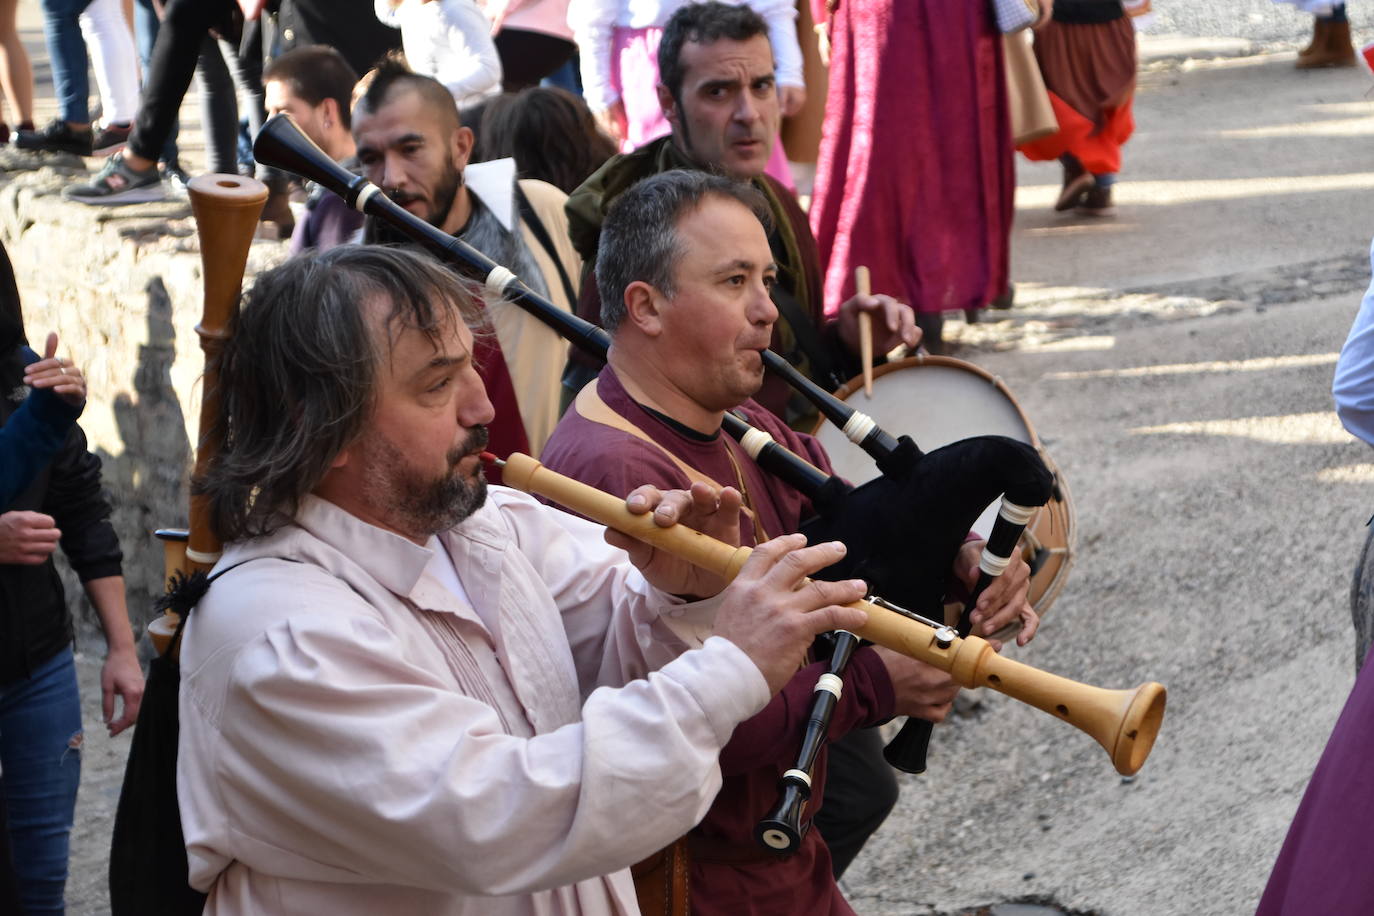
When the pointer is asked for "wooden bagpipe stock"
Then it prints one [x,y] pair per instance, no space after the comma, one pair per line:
[226,209]
[1124,722]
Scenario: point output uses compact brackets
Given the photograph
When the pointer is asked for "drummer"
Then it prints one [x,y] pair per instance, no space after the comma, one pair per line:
[718,94]
[684,271]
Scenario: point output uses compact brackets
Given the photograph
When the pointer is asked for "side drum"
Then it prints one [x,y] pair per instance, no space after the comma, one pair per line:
[938,400]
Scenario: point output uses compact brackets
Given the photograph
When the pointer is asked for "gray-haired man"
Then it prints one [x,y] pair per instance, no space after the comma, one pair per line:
[406,693]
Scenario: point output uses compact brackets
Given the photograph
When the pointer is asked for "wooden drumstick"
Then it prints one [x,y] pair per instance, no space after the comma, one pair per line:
[863,287]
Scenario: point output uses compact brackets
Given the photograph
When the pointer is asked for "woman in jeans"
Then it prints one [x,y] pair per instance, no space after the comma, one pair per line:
[40,710]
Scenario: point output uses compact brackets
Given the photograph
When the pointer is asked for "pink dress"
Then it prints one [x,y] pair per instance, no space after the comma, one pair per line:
[915,178]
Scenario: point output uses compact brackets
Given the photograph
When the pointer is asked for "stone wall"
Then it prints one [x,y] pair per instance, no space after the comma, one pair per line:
[122,288]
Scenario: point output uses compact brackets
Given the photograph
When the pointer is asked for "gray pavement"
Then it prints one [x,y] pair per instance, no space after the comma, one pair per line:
[1176,361]
[1274,24]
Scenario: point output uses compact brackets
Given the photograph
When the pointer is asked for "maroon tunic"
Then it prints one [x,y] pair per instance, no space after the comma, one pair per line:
[765,746]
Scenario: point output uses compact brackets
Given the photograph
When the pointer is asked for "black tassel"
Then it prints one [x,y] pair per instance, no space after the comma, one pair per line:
[183,593]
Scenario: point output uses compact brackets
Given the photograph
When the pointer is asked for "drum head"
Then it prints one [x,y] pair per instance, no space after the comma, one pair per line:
[933,399]
[938,400]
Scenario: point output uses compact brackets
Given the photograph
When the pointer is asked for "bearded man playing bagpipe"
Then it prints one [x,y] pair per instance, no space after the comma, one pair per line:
[406,693]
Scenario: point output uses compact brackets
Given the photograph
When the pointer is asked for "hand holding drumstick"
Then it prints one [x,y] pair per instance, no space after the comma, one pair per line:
[896,323]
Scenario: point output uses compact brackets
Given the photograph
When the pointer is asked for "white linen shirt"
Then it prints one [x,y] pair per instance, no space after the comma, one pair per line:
[593,24]
[1353,385]
[449,40]
[355,740]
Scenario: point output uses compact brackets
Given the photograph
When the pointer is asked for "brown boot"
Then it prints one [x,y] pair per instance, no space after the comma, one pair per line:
[1077,181]
[1319,29]
[1097,203]
[1338,51]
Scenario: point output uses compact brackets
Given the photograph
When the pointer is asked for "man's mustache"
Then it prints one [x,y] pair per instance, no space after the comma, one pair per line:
[475,442]
[402,197]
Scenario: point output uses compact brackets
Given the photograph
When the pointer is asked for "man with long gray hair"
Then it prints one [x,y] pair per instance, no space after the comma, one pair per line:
[406,693]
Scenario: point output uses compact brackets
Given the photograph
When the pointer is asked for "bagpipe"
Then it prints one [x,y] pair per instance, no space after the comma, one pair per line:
[226,210]
[148,866]
[926,502]
[1124,722]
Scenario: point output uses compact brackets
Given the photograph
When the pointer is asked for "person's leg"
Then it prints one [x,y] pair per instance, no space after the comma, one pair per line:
[114,59]
[40,751]
[245,68]
[174,56]
[219,109]
[1077,182]
[932,325]
[146,26]
[67,49]
[9,881]
[16,75]
[245,65]
[1331,44]
[70,131]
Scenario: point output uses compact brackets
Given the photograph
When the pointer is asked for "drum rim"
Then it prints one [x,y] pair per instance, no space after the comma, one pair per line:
[949,362]
[1056,584]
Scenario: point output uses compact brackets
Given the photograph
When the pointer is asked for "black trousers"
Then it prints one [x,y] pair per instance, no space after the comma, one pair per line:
[180,39]
[860,790]
[527,57]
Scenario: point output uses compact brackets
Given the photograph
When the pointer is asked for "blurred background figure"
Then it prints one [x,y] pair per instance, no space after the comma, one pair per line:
[550,133]
[1087,57]
[314,84]
[40,710]
[618,45]
[915,176]
[1331,45]
[533,38]
[449,40]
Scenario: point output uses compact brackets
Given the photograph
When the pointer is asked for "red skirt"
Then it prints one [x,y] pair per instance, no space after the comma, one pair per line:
[1089,71]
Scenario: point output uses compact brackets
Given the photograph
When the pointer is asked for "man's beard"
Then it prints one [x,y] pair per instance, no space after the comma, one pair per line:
[421,506]
[445,192]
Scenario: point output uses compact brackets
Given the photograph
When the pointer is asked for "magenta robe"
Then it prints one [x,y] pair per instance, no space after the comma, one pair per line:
[1324,865]
[915,178]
